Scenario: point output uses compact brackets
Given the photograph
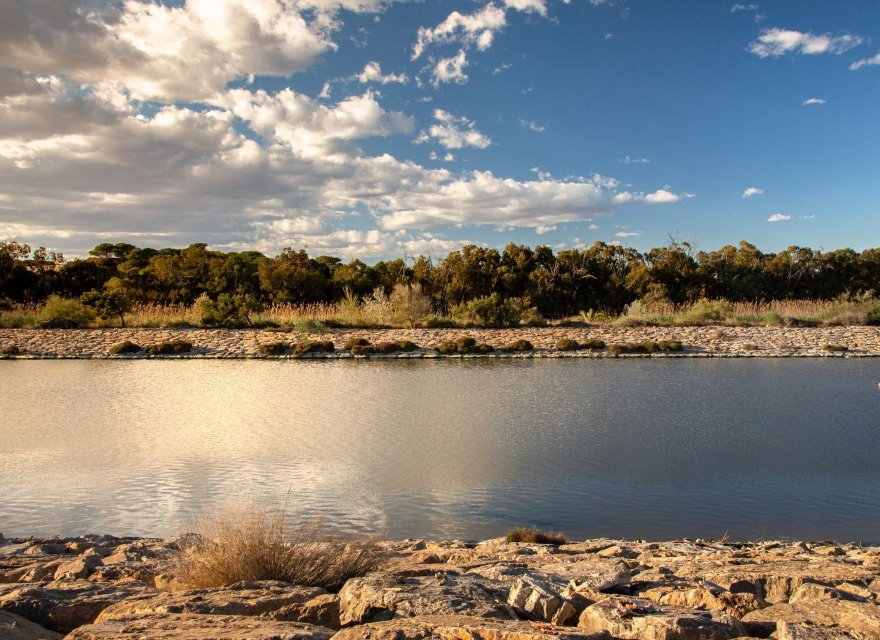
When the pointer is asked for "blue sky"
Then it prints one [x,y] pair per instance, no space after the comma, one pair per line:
[371,129]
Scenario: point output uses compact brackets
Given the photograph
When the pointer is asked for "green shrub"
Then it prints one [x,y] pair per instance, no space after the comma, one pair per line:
[10,350]
[518,345]
[647,346]
[362,349]
[772,319]
[227,310]
[124,347]
[801,322]
[593,344]
[707,312]
[438,322]
[447,348]
[170,347]
[669,345]
[836,348]
[387,347]
[567,344]
[465,344]
[64,313]
[310,325]
[302,348]
[356,342]
[535,536]
[531,317]
[490,311]
[484,348]
[407,346]
[872,312]
[274,349]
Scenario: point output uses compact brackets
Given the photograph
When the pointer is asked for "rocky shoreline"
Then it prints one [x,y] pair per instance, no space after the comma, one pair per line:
[98,587]
[699,342]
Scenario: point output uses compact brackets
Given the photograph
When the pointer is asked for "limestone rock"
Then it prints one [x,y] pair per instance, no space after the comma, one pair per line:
[641,619]
[241,599]
[65,605]
[788,631]
[322,610]
[464,628]
[13,627]
[596,575]
[182,626]
[78,569]
[381,596]
[859,619]
[714,599]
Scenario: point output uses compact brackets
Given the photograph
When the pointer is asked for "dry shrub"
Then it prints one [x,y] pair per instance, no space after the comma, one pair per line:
[249,542]
[535,536]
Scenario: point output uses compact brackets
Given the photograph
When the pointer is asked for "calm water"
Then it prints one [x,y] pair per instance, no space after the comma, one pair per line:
[632,448]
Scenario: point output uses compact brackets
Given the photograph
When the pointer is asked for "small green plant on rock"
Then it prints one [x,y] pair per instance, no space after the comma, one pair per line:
[535,536]
[447,348]
[170,348]
[518,345]
[302,348]
[10,350]
[567,344]
[274,349]
[125,347]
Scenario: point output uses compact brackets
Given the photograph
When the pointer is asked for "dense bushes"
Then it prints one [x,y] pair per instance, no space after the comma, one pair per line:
[567,344]
[169,348]
[65,313]
[320,346]
[518,345]
[534,535]
[646,347]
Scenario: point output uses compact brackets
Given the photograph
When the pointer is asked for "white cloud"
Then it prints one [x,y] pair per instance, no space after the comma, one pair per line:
[864,62]
[778,217]
[813,101]
[450,70]
[628,160]
[454,132]
[743,7]
[373,73]
[474,28]
[751,192]
[778,42]
[528,6]
[532,125]
[662,196]
[627,234]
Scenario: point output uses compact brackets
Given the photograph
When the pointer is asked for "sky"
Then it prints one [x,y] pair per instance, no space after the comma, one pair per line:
[378,129]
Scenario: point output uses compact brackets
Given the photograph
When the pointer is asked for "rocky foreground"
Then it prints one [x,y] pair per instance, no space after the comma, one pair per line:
[231,343]
[101,587]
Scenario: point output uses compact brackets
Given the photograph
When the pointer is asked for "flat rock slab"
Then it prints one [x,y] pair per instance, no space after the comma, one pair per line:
[380,596]
[13,627]
[596,575]
[65,605]
[464,628]
[861,620]
[642,619]
[242,599]
[187,626]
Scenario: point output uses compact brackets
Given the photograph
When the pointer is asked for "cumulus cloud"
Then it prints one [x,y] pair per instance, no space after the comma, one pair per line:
[476,28]
[450,70]
[751,192]
[778,217]
[813,101]
[373,73]
[865,62]
[778,42]
[532,125]
[662,196]
[454,132]
[528,6]
[627,234]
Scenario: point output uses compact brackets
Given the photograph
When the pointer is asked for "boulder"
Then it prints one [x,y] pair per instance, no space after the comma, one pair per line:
[187,626]
[241,599]
[381,596]
[67,604]
[13,627]
[463,628]
[79,568]
[536,599]
[788,631]
[859,619]
[714,599]
[596,575]
[641,619]
[322,610]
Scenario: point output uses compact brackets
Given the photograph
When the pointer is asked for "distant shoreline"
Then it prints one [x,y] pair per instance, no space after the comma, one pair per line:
[237,344]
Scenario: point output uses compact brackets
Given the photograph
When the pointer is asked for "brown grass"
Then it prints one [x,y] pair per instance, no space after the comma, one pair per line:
[246,542]
[535,536]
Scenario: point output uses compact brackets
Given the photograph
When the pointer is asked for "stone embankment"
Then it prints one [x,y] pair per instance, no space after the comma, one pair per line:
[230,343]
[102,587]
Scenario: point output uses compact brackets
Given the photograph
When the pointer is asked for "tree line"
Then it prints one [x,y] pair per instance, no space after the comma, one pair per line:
[602,277]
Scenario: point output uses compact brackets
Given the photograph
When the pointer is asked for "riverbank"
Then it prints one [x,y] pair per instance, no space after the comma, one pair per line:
[100,586]
[855,341]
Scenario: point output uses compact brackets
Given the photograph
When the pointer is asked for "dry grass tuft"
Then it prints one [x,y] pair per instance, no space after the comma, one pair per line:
[247,542]
[535,536]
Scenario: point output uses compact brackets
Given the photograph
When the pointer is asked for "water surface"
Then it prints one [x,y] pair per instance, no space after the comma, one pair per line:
[630,448]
